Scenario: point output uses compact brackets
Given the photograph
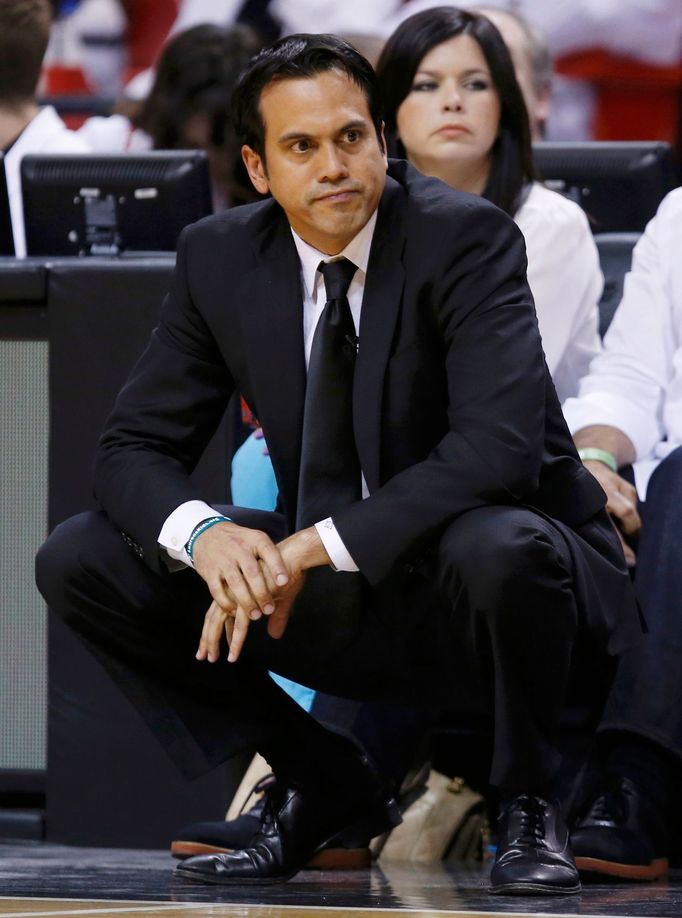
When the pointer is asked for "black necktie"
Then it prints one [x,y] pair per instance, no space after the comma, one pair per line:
[330,469]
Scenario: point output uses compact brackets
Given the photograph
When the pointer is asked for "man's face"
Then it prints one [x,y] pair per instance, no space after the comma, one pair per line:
[323,161]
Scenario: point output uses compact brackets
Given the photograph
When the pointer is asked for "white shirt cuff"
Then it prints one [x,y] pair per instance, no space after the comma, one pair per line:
[614,410]
[337,551]
[178,528]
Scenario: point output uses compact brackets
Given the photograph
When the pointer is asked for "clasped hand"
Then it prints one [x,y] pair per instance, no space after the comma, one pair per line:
[249,576]
[621,503]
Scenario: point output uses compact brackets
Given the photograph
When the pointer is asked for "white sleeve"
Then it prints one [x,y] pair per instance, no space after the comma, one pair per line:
[338,553]
[627,383]
[566,281]
[178,528]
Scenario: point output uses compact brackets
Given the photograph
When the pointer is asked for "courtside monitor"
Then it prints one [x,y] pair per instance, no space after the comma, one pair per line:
[110,204]
[619,184]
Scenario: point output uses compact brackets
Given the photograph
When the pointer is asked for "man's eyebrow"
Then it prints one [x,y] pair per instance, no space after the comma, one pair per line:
[290,136]
[293,135]
[355,123]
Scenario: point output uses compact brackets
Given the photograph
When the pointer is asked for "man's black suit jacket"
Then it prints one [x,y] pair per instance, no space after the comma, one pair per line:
[453,405]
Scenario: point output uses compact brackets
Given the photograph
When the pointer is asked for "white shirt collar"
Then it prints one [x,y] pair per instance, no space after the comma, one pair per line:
[356,251]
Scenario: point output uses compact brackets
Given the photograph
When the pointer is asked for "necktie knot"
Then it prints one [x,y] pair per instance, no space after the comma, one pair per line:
[337,277]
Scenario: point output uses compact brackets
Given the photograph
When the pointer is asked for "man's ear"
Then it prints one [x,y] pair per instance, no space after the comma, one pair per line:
[256,169]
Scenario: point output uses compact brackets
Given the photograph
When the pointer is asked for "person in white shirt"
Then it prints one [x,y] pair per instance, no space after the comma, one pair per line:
[627,424]
[24,127]
[453,106]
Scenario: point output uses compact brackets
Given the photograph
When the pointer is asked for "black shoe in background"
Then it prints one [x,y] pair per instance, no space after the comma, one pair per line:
[533,850]
[622,834]
[218,836]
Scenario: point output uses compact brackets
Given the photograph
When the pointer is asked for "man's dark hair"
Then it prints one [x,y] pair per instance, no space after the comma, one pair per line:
[24,33]
[298,57]
[512,156]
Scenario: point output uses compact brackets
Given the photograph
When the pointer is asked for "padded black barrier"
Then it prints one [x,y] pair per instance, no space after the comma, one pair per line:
[615,259]
[23,288]
[109,783]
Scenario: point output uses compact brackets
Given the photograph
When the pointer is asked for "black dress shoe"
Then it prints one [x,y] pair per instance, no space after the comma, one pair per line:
[533,851]
[622,834]
[343,852]
[295,825]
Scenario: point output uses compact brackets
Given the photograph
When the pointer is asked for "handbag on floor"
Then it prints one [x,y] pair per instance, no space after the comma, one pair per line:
[447,821]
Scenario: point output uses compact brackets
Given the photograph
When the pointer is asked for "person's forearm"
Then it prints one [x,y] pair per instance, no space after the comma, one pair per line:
[611,439]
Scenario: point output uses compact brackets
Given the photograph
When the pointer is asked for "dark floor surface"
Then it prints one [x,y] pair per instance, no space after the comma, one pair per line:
[55,871]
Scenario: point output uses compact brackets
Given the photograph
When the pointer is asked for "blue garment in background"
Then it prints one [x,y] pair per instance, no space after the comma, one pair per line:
[253,479]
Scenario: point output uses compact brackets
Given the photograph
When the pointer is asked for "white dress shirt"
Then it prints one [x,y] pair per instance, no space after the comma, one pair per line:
[566,282]
[46,133]
[636,382]
[178,527]
[114,134]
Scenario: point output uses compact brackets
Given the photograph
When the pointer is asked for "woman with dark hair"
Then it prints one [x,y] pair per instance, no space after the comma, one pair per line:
[453,107]
[188,107]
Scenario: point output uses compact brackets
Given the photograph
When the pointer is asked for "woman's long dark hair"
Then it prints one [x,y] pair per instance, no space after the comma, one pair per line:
[512,156]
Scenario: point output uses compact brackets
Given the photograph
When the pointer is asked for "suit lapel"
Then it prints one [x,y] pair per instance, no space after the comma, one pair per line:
[273,336]
[380,308]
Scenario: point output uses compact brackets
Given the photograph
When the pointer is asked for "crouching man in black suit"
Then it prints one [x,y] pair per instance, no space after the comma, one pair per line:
[437,533]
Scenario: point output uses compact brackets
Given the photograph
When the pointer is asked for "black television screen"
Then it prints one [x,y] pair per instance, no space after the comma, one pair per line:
[109,204]
[619,184]
[6,235]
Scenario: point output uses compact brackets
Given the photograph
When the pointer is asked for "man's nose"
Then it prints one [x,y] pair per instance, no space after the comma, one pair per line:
[332,163]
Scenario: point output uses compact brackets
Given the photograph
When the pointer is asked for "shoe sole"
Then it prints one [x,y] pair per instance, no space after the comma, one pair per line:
[533,889]
[328,859]
[196,877]
[653,871]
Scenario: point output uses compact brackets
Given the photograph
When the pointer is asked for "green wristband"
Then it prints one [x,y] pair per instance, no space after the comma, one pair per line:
[599,455]
[201,528]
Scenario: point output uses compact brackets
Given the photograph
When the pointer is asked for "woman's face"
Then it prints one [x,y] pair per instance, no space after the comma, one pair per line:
[451,114]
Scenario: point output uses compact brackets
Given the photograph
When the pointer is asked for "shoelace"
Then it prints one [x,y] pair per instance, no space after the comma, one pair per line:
[260,787]
[531,822]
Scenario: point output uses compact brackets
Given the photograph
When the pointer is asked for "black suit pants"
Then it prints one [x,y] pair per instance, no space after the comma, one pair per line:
[648,685]
[488,624]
